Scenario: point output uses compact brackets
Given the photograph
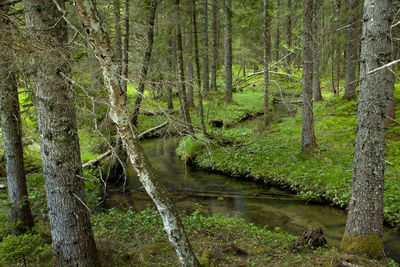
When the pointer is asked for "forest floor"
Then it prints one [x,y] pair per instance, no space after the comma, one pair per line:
[243,148]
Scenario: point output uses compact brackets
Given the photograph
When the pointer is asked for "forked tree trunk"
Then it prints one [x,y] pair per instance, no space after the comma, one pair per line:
[146,60]
[119,114]
[71,231]
[214,44]
[267,52]
[228,50]
[20,211]
[307,134]
[364,224]
[206,71]
[316,82]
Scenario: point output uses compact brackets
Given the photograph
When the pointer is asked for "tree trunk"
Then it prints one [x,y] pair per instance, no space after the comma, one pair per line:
[146,60]
[289,33]
[184,106]
[20,211]
[390,109]
[266,35]
[316,82]
[119,113]
[228,50]
[364,224]
[171,58]
[71,231]
[190,97]
[351,52]
[214,44]
[206,71]
[118,43]
[125,48]
[278,33]
[307,134]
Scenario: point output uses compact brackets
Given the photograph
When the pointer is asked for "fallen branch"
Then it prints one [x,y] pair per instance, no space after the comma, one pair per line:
[109,152]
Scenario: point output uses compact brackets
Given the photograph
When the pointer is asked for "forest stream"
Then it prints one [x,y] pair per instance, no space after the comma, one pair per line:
[259,204]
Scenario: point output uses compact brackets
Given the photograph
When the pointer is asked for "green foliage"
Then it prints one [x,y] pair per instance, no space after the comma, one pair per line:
[27,248]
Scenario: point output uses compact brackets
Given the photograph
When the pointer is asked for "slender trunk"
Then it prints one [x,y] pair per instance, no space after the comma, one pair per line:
[390,109]
[278,33]
[196,43]
[118,43]
[307,134]
[351,51]
[190,97]
[196,52]
[244,70]
[266,61]
[206,71]
[289,33]
[146,61]
[364,224]
[20,211]
[333,48]
[119,113]
[71,231]
[125,48]
[171,65]
[214,45]
[228,50]
[316,81]
[184,106]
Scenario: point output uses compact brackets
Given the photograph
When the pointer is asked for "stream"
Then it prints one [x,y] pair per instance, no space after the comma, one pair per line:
[259,204]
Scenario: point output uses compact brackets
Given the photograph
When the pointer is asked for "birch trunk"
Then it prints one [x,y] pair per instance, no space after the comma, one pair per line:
[364,224]
[20,211]
[71,231]
[98,39]
[307,133]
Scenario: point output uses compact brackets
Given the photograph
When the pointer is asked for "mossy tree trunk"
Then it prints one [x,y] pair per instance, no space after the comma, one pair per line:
[364,224]
[71,231]
[100,43]
[20,211]
[307,133]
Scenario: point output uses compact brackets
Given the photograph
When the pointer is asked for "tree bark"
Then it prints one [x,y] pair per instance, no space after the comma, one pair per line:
[278,33]
[146,60]
[119,114]
[214,44]
[206,71]
[125,48]
[20,211]
[307,134]
[316,82]
[171,60]
[228,50]
[351,51]
[267,52]
[364,224]
[118,43]
[289,33]
[71,231]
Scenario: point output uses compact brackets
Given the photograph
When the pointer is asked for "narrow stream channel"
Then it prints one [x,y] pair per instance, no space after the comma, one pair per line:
[261,205]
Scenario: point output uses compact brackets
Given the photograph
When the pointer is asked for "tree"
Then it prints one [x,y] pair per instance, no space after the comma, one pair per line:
[100,43]
[206,72]
[267,52]
[214,44]
[316,82]
[351,51]
[11,129]
[228,49]
[307,133]
[289,32]
[364,224]
[146,60]
[71,231]
[278,33]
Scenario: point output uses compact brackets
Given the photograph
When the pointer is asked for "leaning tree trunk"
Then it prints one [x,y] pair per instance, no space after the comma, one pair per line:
[214,44]
[20,211]
[71,231]
[364,224]
[307,134]
[100,43]
[266,61]
[228,49]
[351,51]
[206,71]
[146,61]
[316,82]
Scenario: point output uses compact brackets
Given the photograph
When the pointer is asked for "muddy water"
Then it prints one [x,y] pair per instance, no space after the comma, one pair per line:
[262,205]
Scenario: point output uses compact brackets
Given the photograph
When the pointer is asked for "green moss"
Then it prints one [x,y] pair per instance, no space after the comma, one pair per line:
[369,245]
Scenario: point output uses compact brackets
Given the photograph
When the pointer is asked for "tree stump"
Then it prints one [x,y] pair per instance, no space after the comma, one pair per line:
[310,239]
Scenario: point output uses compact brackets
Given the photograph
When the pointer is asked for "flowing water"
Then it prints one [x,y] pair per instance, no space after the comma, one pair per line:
[259,204]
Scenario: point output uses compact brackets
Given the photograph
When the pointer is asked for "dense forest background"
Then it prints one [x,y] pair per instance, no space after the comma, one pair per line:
[299,94]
